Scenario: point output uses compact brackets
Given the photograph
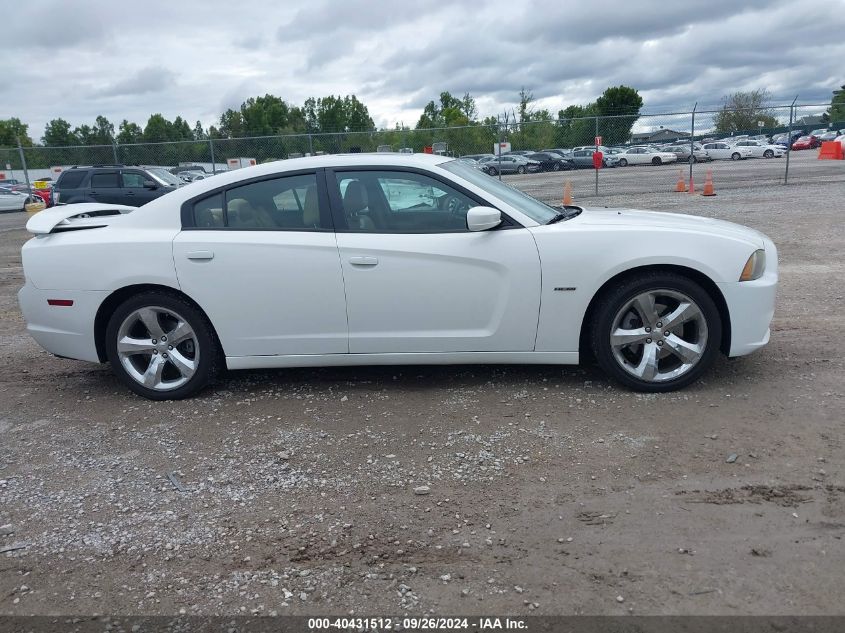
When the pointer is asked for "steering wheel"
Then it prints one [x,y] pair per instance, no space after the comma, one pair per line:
[454,204]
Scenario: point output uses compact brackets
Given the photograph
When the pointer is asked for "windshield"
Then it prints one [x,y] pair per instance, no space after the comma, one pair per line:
[164,176]
[534,209]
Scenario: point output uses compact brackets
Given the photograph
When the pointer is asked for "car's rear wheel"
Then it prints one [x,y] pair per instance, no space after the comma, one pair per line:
[768,154]
[656,160]
[623,162]
[555,166]
[161,346]
[520,170]
[735,156]
[656,332]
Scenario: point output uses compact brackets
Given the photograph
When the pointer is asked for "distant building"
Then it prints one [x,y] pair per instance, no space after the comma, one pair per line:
[812,120]
[662,135]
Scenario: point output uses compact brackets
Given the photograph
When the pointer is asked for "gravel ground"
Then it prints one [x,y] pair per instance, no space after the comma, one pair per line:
[443,490]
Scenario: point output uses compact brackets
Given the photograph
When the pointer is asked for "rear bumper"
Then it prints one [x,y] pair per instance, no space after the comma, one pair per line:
[751,305]
[62,330]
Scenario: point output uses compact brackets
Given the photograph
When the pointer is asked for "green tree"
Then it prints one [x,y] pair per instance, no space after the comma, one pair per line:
[836,111]
[199,134]
[128,133]
[157,129]
[103,131]
[232,124]
[449,112]
[741,112]
[616,101]
[58,133]
[13,129]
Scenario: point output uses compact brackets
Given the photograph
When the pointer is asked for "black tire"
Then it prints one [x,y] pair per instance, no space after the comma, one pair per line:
[520,170]
[492,171]
[210,355]
[693,159]
[768,154]
[623,162]
[555,166]
[656,161]
[615,298]
[735,156]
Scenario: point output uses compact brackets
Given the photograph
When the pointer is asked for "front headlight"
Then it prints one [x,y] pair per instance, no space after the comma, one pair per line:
[754,267]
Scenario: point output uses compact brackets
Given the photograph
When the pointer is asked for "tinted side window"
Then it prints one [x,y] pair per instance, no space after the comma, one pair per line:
[289,202]
[208,213]
[401,202]
[106,180]
[133,179]
[71,179]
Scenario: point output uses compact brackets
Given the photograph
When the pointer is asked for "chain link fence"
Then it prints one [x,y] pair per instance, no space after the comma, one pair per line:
[667,140]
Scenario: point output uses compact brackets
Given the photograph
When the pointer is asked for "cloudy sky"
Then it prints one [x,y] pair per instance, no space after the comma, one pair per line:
[195,58]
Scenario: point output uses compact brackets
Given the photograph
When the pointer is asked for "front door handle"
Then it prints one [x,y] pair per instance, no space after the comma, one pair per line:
[363,261]
[200,255]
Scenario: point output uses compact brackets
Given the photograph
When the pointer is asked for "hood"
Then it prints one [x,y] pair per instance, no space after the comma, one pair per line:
[636,218]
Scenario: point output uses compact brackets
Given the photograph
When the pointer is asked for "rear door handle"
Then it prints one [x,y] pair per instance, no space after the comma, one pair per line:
[200,255]
[363,261]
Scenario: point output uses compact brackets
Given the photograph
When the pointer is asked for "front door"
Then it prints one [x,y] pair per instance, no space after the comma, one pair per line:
[261,260]
[105,187]
[417,280]
[134,191]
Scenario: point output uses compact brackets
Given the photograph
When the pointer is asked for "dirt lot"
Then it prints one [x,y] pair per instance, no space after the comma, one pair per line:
[551,490]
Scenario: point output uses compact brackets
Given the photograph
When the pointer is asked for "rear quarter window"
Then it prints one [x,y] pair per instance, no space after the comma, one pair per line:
[71,179]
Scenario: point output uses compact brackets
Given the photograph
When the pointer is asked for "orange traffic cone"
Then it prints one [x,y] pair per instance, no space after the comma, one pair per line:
[691,185]
[567,193]
[708,184]
[681,187]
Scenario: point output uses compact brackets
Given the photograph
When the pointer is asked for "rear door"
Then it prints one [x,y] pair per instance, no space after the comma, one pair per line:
[105,187]
[417,280]
[261,259]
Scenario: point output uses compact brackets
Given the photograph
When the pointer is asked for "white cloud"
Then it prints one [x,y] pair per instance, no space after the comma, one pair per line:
[197,57]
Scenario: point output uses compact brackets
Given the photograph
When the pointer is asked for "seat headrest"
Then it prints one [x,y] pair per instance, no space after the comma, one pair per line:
[355,197]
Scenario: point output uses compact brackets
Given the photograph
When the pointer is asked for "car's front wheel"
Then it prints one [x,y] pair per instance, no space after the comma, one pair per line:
[656,332]
[656,160]
[555,166]
[623,162]
[520,170]
[768,154]
[161,346]
[735,156]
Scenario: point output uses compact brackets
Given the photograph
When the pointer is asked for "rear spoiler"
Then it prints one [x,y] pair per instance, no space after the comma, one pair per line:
[68,217]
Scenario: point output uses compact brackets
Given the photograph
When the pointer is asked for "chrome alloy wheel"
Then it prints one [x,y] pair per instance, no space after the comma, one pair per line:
[158,348]
[658,335]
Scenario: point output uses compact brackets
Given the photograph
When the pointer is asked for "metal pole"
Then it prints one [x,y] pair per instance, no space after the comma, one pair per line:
[692,140]
[114,152]
[310,146]
[23,165]
[789,140]
[213,164]
[596,141]
[499,151]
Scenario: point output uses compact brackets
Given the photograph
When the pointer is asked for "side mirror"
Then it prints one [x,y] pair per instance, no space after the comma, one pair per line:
[149,184]
[483,218]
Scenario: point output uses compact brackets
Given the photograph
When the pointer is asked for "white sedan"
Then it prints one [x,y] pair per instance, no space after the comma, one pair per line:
[644,156]
[12,200]
[724,151]
[388,259]
[760,149]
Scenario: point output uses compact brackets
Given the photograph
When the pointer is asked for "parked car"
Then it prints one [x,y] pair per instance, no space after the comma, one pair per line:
[828,136]
[683,152]
[786,139]
[807,142]
[562,151]
[9,182]
[549,161]
[645,156]
[725,151]
[511,164]
[583,158]
[818,132]
[13,200]
[519,152]
[177,170]
[191,176]
[118,184]
[414,259]
[762,150]
[478,157]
